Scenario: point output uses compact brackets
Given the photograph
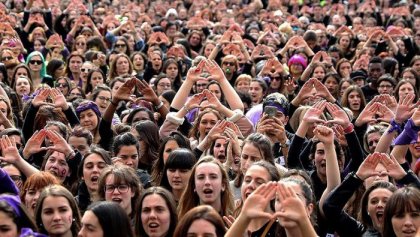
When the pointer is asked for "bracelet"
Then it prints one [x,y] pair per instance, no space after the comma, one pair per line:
[186,109]
[394,127]
[349,129]
[159,106]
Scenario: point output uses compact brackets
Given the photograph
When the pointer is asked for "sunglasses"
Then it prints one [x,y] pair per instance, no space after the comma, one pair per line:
[80,43]
[120,45]
[35,62]
[8,58]
[61,85]
[277,78]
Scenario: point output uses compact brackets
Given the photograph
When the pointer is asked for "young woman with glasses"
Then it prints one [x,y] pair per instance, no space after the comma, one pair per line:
[37,68]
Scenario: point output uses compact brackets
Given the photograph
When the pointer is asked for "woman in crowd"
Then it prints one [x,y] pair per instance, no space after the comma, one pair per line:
[57,213]
[157,213]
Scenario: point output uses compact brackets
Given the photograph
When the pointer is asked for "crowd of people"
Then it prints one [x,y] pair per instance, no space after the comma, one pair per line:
[209,118]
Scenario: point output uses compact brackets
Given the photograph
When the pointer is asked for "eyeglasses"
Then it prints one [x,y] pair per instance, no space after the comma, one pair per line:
[229,64]
[87,70]
[277,78]
[122,188]
[120,45]
[16,178]
[7,58]
[61,85]
[35,62]
[103,98]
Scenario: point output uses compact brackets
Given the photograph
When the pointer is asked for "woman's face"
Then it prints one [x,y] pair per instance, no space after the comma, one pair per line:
[21,72]
[404,90]
[92,167]
[90,226]
[57,165]
[172,71]
[215,89]
[56,215]
[84,71]
[35,64]
[344,86]
[63,86]
[60,72]
[195,39]
[116,86]
[385,87]
[354,101]
[410,77]
[102,100]
[22,86]
[96,79]
[243,86]
[120,193]
[332,85]
[155,216]
[319,73]
[170,146]
[406,224]
[89,120]
[75,64]
[38,46]
[344,42]
[163,85]
[376,205]
[296,69]
[202,227]
[208,49]
[319,158]
[80,144]
[250,154]
[207,122]
[3,108]
[7,58]
[138,62]
[254,177]
[208,183]
[120,46]
[156,61]
[256,92]
[81,44]
[178,178]
[8,226]
[122,66]
[345,69]
[30,200]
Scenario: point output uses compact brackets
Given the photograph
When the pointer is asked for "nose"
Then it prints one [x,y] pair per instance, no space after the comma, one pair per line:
[81,232]
[56,216]
[408,221]
[176,174]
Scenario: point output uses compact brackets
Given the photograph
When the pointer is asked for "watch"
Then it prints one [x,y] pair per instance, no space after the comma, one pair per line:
[157,107]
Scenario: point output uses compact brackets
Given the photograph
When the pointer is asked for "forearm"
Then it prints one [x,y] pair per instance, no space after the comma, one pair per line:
[385,141]
[302,129]
[307,73]
[238,227]
[26,168]
[306,228]
[399,153]
[231,96]
[214,52]
[225,111]
[181,96]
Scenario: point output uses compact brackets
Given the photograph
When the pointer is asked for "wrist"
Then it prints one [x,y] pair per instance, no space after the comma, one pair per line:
[349,128]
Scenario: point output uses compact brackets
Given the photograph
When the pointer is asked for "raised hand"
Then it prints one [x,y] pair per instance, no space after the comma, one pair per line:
[212,100]
[291,209]
[405,108]
[34,144]
[392,166]
[367,168]
[324,134]
[41,97]
[340,117]
[9,151]
[313,114]
[125,91]
[385,114]
[322,91]
[58,143]
[368,114]
[147,92]
[195,72]
[216,73]
[217,130]
[305,92]
[256,204]
[194,101]
[58,99]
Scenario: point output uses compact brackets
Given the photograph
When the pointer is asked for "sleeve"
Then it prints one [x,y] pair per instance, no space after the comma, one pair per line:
[293,161]
[170,124]
[106,134]
[343,223]
[28,123]
[71,117]
[6,184]
[356,152]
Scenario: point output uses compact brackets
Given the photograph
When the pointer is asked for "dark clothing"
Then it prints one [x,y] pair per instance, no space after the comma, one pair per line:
[369,92]
[6,184]
[83,197]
